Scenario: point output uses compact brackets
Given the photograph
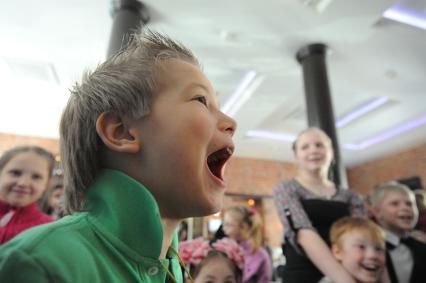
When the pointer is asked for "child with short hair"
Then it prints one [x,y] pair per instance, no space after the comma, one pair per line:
[143,146]
[219,262]
[395,210]
[244,225]
[24,176]
[359,245]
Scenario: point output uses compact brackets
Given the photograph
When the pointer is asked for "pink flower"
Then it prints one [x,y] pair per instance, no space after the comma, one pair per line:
[194,251]
[232,250]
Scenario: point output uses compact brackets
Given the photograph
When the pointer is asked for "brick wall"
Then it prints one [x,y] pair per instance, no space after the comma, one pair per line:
[7,141]
[401,165]
[257,177]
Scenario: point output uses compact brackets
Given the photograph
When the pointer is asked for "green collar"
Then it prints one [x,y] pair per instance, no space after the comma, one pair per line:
[126,211]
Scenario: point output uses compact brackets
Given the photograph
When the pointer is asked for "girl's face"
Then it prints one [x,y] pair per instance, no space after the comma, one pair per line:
[313,151]
[232,226]
[24,179]
[216,271]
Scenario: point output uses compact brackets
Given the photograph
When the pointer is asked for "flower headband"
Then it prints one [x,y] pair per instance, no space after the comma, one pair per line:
[194,251]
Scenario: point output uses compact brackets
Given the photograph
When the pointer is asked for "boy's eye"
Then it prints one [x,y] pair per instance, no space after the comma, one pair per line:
[380,249]
[201,99]
[361,247]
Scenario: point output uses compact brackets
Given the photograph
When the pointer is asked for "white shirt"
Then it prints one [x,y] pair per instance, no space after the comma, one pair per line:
[402,258]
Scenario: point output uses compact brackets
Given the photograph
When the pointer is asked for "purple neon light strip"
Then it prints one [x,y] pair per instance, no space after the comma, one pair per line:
[369,106]
[357,146]
[388,134]
[405,16]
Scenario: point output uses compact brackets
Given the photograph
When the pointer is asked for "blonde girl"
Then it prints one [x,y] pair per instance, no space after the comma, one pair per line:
[307,205]
[24,176]
[244,225]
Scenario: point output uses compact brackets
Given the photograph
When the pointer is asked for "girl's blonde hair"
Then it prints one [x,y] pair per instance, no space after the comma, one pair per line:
[253,230]
[310,129]
[11,153]
[125,83]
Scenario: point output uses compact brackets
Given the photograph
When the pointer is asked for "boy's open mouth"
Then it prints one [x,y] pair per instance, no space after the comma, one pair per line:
[406,217]
[373,267]
[217,160]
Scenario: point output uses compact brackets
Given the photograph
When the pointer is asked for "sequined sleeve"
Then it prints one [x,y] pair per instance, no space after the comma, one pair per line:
[290,210]
[356,204]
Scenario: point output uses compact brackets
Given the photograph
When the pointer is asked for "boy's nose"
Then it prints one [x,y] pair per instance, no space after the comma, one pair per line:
[373,253]
[227,124]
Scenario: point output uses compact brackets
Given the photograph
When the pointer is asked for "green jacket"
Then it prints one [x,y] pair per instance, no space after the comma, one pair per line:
[116,238]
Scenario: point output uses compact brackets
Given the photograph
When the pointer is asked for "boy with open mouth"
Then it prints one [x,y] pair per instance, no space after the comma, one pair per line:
[394,208]
[143,145]
[359,245]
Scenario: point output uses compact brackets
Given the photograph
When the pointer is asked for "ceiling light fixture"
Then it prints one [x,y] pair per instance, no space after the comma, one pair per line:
[405,16]
[367,107]
[271,135]
[388,134]
[243,92]
[352,146]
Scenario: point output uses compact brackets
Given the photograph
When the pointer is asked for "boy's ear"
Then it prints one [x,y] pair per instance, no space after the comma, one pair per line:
[116,133]
[336,252]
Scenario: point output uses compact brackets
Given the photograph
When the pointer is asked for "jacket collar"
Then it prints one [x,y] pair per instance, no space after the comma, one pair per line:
[124,209]
[5,207]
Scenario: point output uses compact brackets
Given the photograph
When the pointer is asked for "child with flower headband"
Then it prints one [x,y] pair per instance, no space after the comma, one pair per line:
[244,225]
[219,262]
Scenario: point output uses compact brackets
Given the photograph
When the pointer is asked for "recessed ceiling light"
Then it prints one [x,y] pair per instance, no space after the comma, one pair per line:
[229,35]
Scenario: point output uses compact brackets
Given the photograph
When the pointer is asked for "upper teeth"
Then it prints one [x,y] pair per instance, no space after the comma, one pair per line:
[370,265]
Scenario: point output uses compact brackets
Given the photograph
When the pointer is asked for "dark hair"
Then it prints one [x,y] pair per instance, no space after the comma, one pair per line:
[44,201]
[212,255]
[11,153]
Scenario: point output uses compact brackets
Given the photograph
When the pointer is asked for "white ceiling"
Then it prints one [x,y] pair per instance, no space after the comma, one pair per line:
[46,44]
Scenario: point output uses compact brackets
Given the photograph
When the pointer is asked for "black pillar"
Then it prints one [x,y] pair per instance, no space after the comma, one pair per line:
[128,16]
[318,100]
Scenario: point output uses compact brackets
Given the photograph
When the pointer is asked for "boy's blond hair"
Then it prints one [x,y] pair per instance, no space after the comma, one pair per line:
[125,83]
[348,224]
[379,193]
